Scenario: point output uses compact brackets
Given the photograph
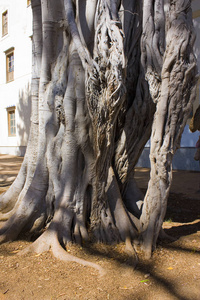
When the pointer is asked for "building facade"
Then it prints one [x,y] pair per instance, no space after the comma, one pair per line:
[15,78]
[15,75]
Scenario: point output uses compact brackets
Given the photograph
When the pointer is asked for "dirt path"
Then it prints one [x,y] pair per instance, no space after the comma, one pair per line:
[172,273]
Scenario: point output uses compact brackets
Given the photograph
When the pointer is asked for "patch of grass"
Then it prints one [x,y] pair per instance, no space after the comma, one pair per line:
[168,220]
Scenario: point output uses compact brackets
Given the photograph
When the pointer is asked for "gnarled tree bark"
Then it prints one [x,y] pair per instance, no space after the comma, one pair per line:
[107,74]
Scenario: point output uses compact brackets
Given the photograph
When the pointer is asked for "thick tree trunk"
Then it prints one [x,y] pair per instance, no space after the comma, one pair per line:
[107,74]
[177,92]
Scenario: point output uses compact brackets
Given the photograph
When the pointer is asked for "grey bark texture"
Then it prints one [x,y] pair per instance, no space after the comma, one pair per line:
[107,75]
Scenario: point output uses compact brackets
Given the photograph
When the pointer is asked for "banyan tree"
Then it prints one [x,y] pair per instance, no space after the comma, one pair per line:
[107,76]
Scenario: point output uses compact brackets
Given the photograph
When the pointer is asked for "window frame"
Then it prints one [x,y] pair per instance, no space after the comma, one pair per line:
[10,64]
[11,111]
[4,23]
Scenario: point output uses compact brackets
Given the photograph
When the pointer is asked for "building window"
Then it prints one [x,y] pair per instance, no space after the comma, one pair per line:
[10,66]
[28,2]
[11,121]
[5,23]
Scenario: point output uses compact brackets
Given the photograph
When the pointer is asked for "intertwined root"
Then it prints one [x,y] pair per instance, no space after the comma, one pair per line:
[68,223]
[88,130]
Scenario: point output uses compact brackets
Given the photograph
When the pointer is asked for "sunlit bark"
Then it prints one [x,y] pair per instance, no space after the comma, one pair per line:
[107,74]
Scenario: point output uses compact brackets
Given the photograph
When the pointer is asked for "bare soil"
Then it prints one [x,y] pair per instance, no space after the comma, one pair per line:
[172,273]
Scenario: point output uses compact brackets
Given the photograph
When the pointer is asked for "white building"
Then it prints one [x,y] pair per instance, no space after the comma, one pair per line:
[15,75]
[15,78]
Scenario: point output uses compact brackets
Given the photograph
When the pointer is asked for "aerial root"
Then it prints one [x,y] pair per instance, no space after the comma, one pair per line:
[49,240]
[130,251]
[129,247]
[80,232]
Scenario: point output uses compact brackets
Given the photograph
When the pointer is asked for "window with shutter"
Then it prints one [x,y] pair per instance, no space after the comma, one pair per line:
[10,66]
[11,121]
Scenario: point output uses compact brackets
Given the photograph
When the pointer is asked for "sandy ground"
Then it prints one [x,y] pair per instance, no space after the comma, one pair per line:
[172,273]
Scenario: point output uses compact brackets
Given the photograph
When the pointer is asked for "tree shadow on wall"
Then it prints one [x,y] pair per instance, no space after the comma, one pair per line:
[24,112]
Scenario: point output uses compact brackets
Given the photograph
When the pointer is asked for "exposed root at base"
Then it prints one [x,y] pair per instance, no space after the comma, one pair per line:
[49,240]
[130,251]
[61,254]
